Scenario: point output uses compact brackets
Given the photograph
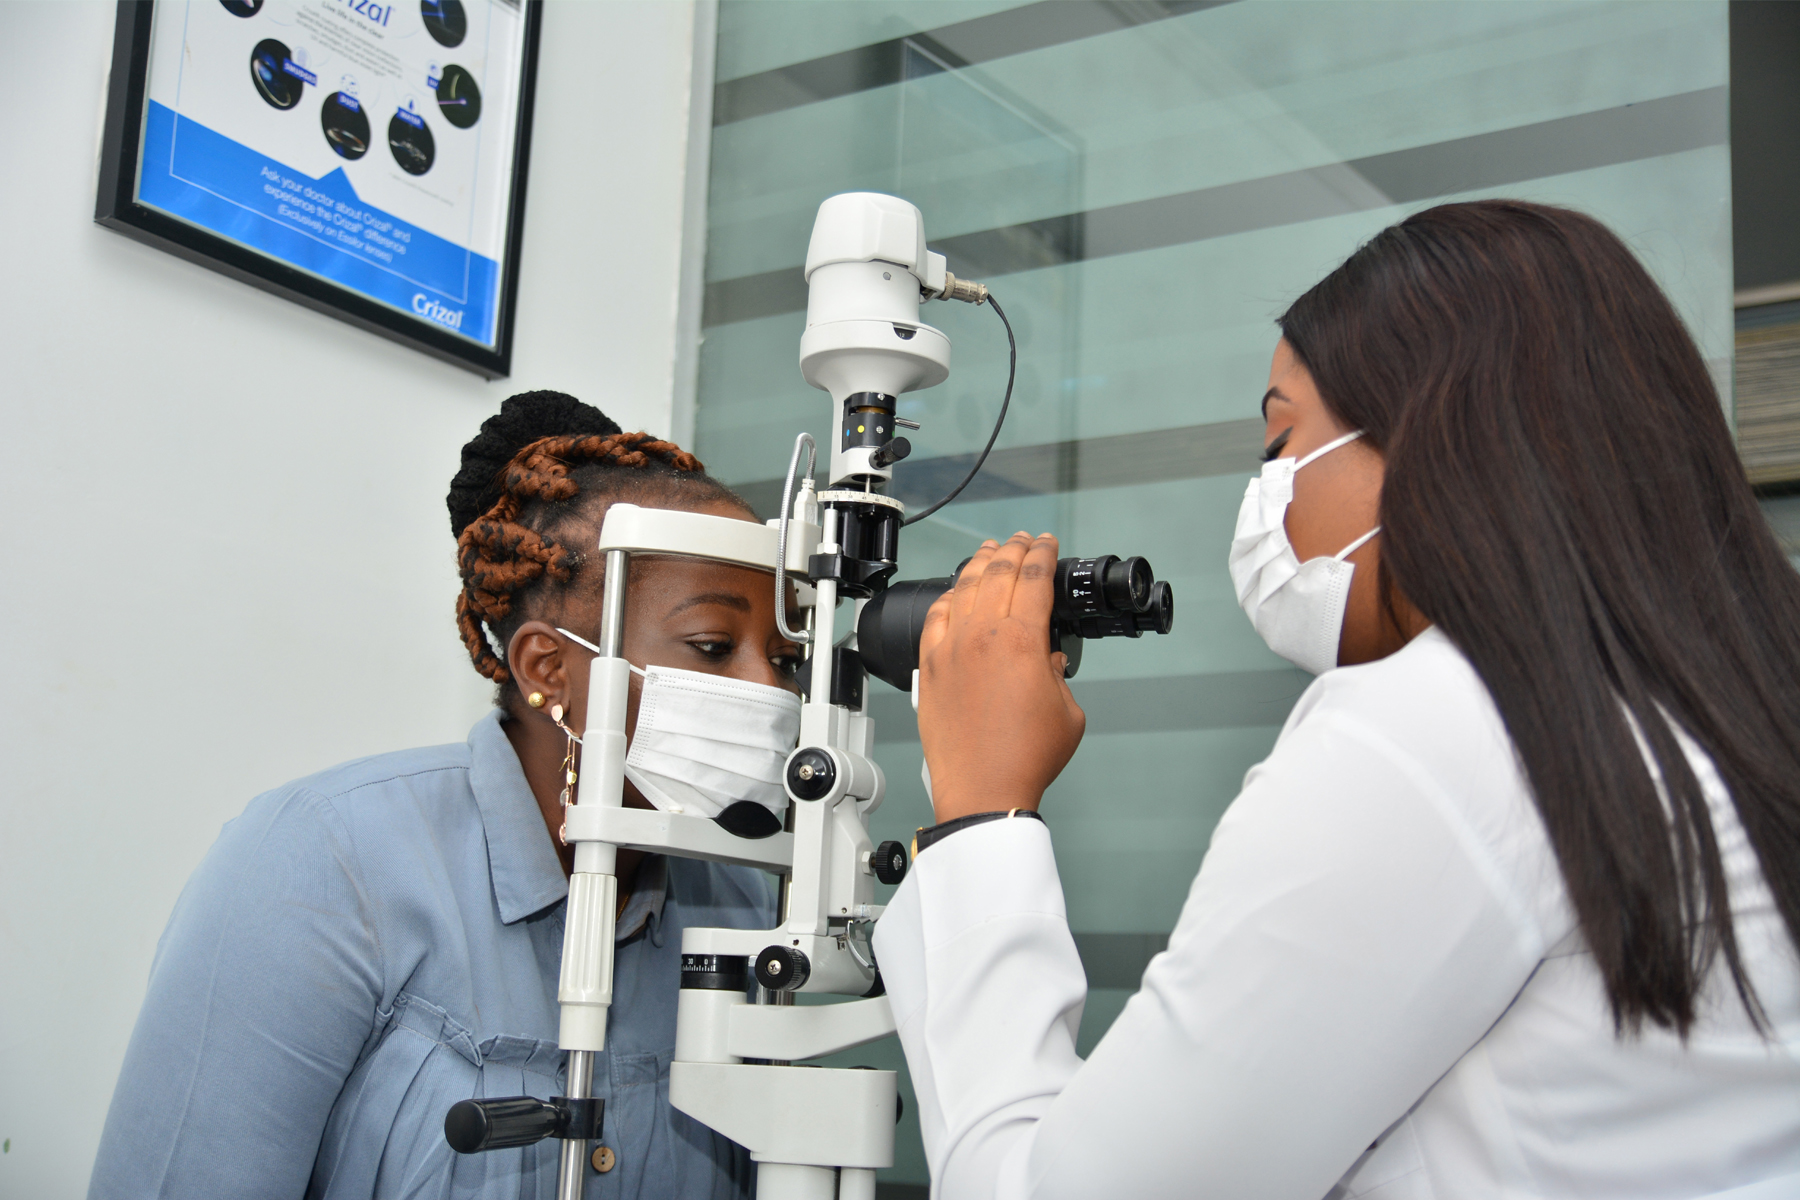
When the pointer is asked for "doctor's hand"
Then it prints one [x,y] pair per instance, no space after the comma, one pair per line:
[996,716]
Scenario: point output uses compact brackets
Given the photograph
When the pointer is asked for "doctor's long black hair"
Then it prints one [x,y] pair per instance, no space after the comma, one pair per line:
[1564,500]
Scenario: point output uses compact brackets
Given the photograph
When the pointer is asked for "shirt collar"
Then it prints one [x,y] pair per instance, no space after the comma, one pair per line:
[522,864]
[645,905]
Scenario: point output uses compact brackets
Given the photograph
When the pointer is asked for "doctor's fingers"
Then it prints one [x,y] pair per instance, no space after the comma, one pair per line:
[968,580]
[937,625]
[1000,579]
[1034,588]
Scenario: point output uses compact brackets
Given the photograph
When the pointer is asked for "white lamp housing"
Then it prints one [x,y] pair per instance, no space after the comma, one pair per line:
[866,268]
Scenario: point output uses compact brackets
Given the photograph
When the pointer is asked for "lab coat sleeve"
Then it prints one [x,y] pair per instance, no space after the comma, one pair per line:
[1349,936]
[978,933]
[261,997]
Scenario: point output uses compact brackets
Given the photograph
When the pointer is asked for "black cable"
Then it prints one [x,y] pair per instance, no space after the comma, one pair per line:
[1012,369]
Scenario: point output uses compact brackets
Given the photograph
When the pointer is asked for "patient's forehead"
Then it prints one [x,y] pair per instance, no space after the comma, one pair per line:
[670,580]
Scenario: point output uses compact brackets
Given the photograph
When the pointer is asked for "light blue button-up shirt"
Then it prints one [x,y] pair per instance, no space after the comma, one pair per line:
[362,949]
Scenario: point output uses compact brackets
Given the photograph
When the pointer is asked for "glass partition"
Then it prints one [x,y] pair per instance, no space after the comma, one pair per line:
[1145,186]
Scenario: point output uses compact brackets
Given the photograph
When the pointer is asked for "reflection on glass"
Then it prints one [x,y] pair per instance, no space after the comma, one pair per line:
[1145,192]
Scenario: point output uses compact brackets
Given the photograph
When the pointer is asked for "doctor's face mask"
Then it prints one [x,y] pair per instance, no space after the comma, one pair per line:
[1297,607]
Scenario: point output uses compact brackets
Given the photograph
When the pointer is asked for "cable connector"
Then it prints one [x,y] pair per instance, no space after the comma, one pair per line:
[966,290]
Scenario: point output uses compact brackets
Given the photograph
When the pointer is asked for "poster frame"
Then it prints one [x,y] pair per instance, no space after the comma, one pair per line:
[117,208]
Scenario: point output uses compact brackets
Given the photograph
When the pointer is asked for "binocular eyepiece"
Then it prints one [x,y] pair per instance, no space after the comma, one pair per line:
[1110,597]
[1095,598]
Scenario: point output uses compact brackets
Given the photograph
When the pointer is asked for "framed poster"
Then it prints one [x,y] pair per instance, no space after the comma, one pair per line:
[364,158]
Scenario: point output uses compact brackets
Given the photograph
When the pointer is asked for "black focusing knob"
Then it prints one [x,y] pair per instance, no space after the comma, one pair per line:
[782,969]
[889,862]
[893,452]
[810,774]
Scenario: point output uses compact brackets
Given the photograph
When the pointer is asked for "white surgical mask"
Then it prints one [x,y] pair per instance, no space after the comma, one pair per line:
[1297,607]
[704,742]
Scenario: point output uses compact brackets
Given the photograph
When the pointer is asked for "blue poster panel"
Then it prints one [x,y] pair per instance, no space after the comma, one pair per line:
[369,146]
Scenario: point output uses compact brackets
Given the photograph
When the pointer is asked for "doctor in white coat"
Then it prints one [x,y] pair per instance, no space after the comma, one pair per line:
[1511,909]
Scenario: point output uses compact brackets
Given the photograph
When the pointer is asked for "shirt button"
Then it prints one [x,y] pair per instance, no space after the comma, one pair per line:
[603,1159]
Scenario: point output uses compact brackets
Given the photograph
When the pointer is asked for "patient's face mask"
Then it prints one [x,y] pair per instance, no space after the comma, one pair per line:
[1297,607]
[704,742]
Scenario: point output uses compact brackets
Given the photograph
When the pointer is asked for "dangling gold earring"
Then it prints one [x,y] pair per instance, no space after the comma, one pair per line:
[536,699]
[568,765]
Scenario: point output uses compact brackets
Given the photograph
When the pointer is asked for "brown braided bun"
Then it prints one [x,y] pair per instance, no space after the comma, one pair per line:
[522,420]
[521,555]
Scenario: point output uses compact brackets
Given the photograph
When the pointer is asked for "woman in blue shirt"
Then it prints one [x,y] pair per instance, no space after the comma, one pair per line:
[365,947]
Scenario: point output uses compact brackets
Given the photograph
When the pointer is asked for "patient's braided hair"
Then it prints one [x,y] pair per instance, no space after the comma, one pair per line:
[533,488]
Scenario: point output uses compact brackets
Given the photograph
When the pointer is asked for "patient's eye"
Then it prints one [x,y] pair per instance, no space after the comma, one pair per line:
[1274,448]
[714,649]
[787,664]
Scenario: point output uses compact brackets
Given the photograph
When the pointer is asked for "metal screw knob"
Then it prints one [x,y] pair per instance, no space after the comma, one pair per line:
[890,862]
[810,774]
[783,968]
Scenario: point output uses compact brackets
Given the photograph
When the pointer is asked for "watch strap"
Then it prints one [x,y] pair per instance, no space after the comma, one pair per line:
[933,834]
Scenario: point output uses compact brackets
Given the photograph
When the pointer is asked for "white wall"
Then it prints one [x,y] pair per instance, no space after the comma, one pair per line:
[224,554]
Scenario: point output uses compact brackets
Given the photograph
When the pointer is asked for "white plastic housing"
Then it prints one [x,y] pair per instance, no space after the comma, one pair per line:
[793,1032]
[860,291]
[835,971]
[856,227]
[790,1181]
[865,268]
[699,535]
[585,985]
[672,833]
[703,1024]
[819,1116]
[844,357]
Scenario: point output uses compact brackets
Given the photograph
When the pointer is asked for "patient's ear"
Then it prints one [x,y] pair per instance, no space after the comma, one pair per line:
[535,659]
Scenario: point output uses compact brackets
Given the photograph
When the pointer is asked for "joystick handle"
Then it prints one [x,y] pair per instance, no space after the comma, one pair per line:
[472,1126]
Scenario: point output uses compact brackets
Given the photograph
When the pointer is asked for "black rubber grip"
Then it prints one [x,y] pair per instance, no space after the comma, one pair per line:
[475,1125]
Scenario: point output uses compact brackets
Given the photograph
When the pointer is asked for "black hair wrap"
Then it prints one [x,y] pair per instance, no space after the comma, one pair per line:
[522,420]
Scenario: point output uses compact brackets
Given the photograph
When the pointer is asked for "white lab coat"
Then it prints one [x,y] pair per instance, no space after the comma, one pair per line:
[1375,989]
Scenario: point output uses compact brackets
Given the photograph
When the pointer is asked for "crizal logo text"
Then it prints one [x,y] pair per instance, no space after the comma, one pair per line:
[377,13]
[431,310]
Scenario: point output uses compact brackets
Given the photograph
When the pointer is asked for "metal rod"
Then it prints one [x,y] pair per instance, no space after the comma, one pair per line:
[789,1181]
[572,1167]
[781,536]
[612,612]
[575,1150]
[824,627]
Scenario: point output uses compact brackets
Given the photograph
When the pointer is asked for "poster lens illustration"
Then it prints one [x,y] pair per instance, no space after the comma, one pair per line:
[242,8]
[268,71]
[345,124]
[458,98]
[444,20]
[413,146]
